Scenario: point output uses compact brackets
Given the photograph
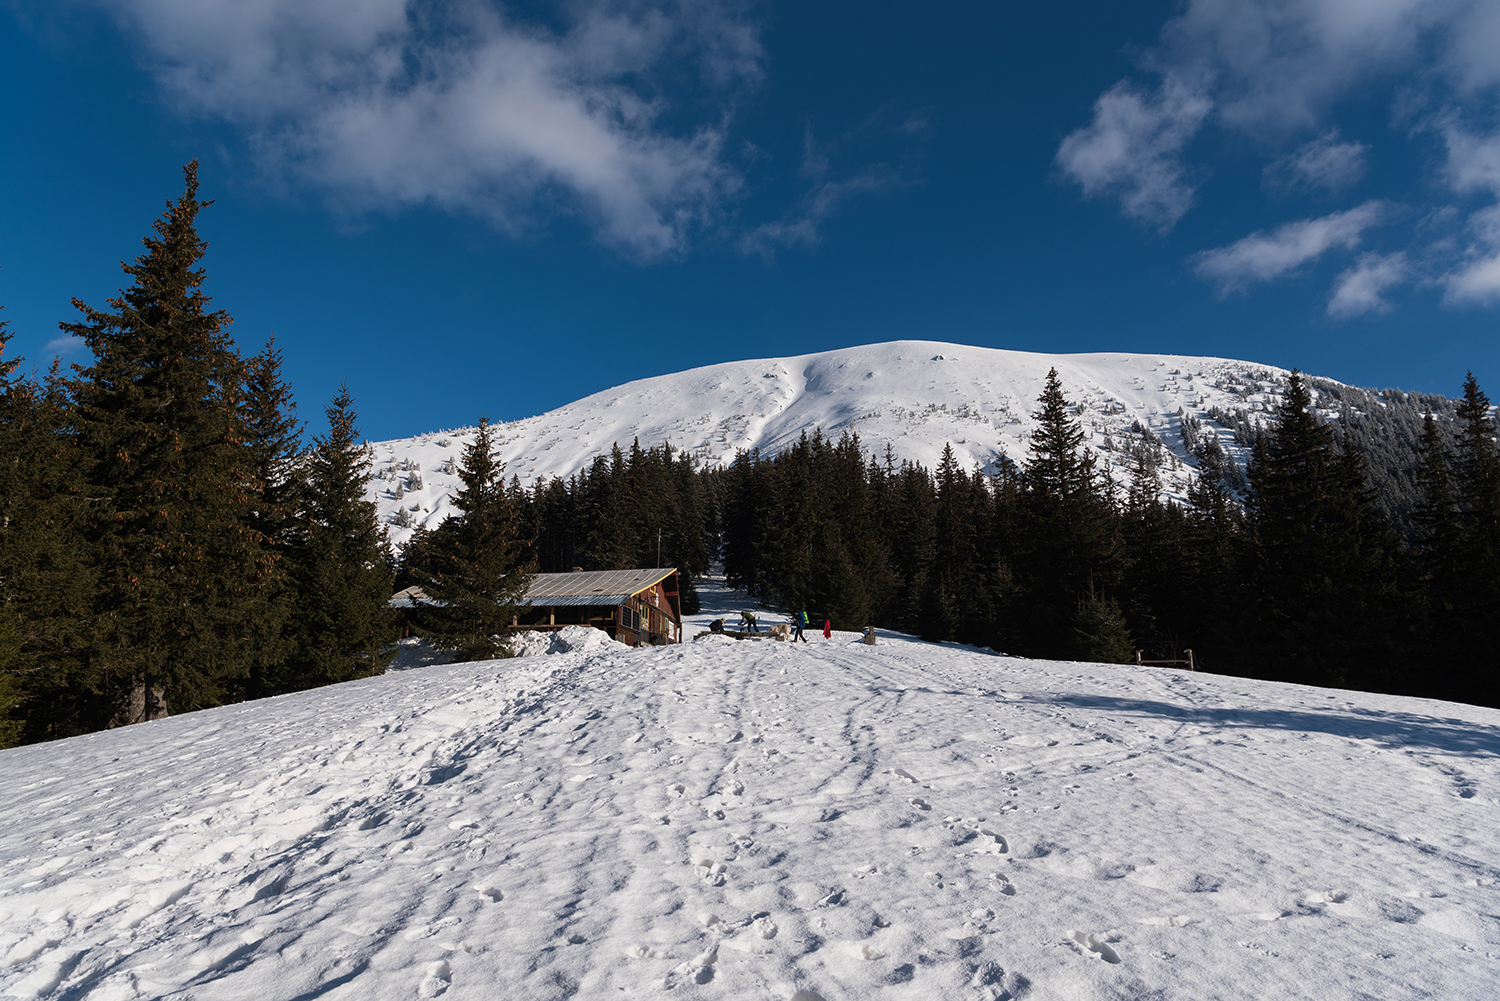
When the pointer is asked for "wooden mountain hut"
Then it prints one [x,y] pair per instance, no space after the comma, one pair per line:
[636,607]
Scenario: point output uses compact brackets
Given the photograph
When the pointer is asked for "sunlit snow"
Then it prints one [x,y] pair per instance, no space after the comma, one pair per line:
[763,820]
[915,396]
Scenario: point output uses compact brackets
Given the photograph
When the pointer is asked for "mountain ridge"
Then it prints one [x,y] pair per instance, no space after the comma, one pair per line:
[915,396]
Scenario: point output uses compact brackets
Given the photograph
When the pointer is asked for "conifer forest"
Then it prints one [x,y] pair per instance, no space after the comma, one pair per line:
[169,540]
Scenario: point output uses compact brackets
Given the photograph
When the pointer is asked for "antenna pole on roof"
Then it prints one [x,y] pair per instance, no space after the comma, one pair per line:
[658,547]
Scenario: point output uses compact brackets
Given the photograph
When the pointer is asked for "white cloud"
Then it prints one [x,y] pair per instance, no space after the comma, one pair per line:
[1275,66]
[1325,163]
[1133,150]
[388,103]
[1475,280]
[1361,289]
[1473,160]
[1477,283]
[1275,71]
[1261,257]
[64,345]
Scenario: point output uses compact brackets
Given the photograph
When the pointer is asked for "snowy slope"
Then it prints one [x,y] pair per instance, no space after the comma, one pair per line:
[915,395]
[761,820]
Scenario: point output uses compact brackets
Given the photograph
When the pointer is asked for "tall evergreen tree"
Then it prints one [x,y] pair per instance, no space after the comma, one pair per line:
[341,622]
[1068,542]
[480,566]
[182,587]
[1476,587]
[46,575]
[1436,515]
[15,405]
[1323,567]
[273,438]
[1212,585]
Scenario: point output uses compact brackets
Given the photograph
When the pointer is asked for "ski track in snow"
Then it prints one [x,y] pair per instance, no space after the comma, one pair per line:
[759,819]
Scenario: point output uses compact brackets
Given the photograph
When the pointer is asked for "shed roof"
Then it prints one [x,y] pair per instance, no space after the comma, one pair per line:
[594,587]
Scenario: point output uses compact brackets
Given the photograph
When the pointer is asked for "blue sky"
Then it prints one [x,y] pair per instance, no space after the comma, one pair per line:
[466,206]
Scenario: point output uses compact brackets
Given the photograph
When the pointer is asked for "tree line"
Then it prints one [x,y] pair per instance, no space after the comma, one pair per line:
[1309,579]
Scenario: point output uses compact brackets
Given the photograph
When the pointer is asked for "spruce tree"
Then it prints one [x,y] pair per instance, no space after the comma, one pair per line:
[341,623]
[46,573]
[1436,557]
[480,567]
[1323,569]
[1099,632]
[182,587]
[15,404]
[1212,586]
[1068,544]
[273,437]
[1436,514]
[1475,593]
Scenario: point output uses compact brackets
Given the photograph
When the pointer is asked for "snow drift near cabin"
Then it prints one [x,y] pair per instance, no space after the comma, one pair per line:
[762,820]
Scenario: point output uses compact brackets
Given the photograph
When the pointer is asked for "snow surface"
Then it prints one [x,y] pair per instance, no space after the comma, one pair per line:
[763,820]
[917,396]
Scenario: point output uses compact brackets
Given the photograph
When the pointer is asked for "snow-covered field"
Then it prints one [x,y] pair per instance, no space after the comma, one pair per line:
[762,820]
[916,396]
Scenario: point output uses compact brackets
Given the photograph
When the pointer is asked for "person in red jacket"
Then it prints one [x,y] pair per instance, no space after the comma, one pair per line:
[827,629]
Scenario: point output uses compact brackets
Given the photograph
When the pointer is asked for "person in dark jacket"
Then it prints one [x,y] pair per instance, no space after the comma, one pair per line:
[800,618]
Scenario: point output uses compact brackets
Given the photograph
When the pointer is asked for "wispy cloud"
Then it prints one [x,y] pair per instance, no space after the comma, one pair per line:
[1475,280]
[803,227]
[1262,257]
[832,185]
[390,103]
[1473,163]
[1326,164]
[64,345]
[1361,289]
[1133,150]
[1268,73]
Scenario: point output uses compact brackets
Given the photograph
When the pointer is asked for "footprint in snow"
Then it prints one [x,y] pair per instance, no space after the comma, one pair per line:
[698,970]
[990,842]
[920,803]
[1099,945]
[437,980]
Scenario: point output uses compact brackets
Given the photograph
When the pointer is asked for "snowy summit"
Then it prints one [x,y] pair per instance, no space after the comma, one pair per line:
[915,396]
[763,820]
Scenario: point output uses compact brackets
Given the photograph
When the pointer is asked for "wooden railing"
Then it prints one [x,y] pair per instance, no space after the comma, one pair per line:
[1189,661]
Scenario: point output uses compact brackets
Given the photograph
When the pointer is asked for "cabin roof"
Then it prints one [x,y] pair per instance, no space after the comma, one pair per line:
[594,587]
[591,587]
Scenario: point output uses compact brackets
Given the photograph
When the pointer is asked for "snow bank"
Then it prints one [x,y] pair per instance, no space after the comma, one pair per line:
[763,820]
[568,639]
[413,652]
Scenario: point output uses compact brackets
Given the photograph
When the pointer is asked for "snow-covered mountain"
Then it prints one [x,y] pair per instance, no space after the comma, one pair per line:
[763,820]
[916,396]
